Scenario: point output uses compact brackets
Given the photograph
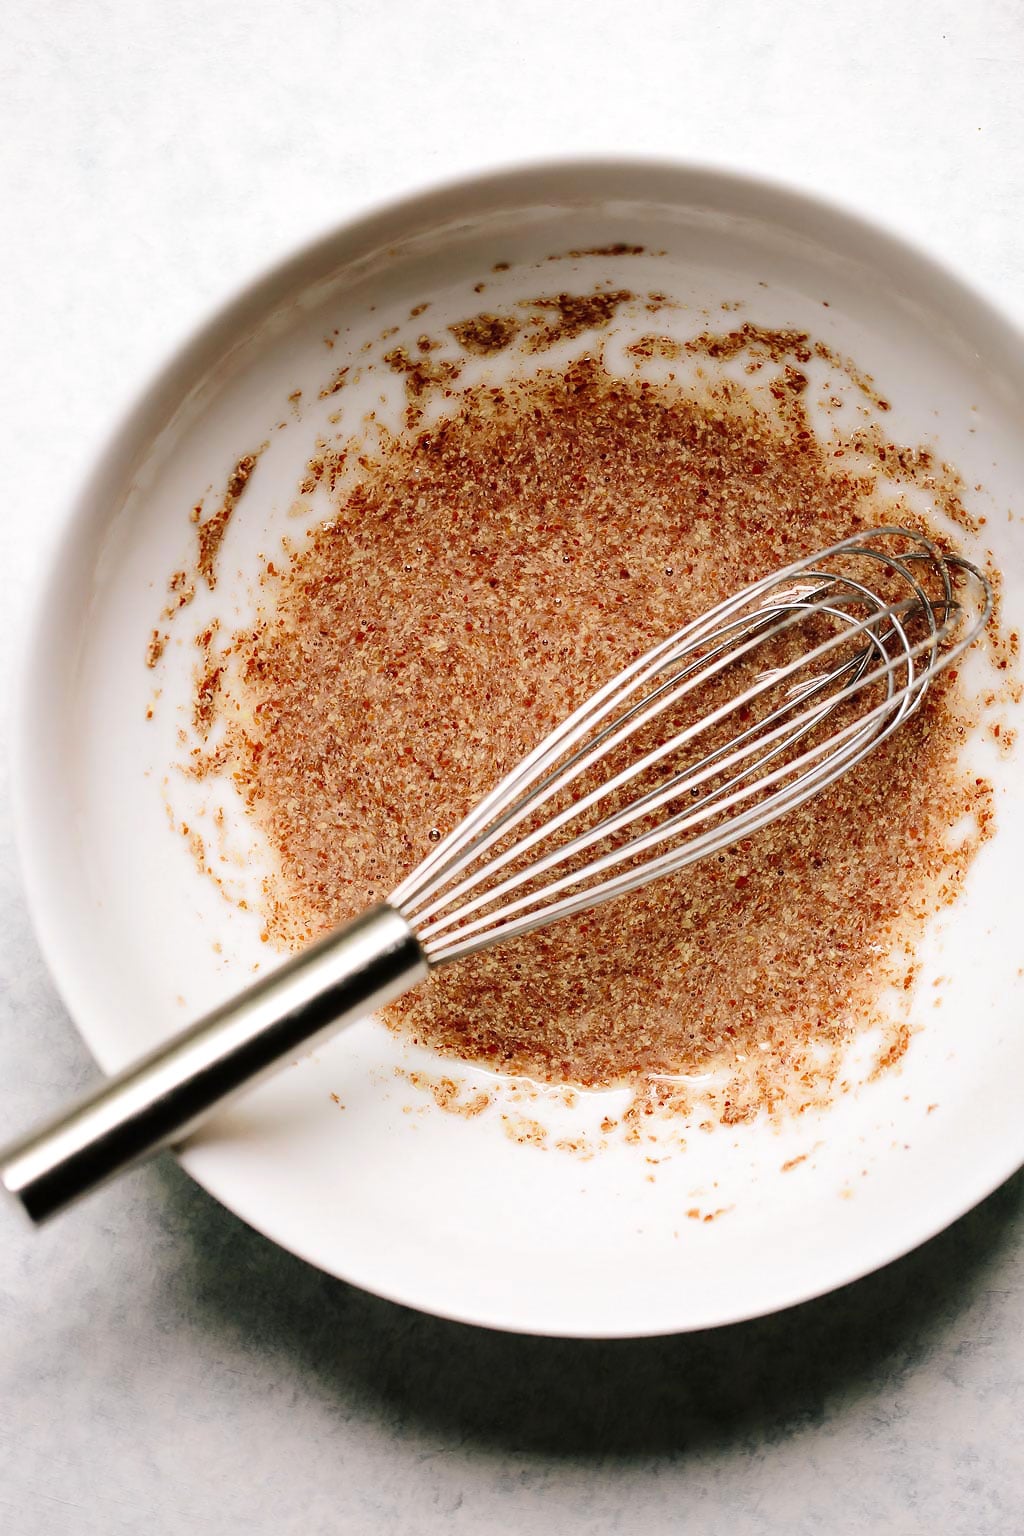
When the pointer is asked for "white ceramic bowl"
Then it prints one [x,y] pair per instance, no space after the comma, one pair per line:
[444,1213]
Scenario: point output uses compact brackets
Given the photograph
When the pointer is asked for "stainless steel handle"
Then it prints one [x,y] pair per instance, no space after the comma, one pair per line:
[168,1093]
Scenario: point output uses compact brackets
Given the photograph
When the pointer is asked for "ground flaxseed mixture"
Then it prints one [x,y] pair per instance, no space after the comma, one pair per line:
[480,580]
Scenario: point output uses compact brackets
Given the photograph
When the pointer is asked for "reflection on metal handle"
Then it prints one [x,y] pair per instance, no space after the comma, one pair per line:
[169,1092]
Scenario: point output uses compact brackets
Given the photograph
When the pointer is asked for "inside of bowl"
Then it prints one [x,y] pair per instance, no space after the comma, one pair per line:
[347,1158]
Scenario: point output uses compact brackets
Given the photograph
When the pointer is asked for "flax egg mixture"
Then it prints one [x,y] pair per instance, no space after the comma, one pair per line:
[481,573]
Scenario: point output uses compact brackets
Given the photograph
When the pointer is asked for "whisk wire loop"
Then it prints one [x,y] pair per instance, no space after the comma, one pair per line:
[855,637]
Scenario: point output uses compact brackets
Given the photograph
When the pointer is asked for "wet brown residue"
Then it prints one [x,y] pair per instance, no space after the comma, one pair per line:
[448,1094]
[180,590]
[753,341]
[894,1051]
[650,346]
[526,1132]
[864,382]
[335,384]
[479,580]
[907,465]
[325,467]
[653,1098]
[1005,738]
[486,334]
[791,351]
[618,248]
[421,373]
[200,763]
[155,648]
[207,685]
[211,531]
[574,313]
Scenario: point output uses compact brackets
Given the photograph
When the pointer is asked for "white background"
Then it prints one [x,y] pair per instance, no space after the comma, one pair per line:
[161,1368]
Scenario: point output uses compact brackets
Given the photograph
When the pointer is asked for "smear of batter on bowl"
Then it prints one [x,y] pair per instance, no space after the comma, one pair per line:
[482,576]
[211,530]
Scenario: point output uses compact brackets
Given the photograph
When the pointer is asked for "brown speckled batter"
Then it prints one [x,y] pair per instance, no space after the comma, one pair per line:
[485,576]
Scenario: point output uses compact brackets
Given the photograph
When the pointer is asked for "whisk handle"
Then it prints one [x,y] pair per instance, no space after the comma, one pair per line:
[165,1096]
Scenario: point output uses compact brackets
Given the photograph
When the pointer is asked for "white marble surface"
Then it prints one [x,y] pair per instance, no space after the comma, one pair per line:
[162,1369]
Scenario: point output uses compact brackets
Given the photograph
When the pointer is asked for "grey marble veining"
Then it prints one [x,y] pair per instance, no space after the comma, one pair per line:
[162,1368]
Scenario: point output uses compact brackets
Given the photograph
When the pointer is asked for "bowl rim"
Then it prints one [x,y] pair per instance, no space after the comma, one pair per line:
[583,178]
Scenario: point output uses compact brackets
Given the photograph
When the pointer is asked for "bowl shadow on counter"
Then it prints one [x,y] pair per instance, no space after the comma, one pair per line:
[577,1398]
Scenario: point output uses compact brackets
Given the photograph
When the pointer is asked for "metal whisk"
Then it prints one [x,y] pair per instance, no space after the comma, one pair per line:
[742,715]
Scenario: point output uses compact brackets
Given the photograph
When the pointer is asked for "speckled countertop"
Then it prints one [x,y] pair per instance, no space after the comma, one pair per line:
[162,1368]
